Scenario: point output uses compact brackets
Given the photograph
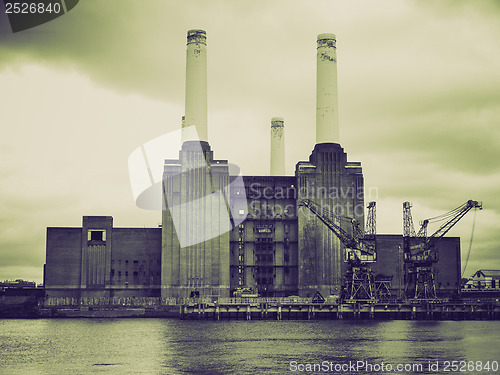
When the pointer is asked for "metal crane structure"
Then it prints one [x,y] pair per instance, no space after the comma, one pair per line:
[382,282]
[371,219]
[359,280]
[419,249]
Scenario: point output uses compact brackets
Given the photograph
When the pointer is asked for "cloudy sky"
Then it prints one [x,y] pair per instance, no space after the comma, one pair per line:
[419,106]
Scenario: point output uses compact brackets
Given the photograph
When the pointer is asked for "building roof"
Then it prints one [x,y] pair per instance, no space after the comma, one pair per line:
[488,273]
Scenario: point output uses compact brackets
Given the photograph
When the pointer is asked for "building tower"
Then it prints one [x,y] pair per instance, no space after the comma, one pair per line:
[196,217]
[327,179]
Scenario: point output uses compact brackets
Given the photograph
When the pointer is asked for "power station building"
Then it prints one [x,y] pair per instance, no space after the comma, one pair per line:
[222,232]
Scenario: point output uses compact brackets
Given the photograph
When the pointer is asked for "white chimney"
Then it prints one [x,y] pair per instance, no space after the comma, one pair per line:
[327,120]
[196,83]
[277,147]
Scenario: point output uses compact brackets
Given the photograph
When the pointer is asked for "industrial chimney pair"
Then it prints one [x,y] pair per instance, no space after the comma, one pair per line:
[327,127]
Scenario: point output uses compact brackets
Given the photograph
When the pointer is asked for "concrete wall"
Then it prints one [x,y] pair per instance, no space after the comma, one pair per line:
[327,179]
[264,247]
[446,270]
[63,262]
[196,224]
[136,262]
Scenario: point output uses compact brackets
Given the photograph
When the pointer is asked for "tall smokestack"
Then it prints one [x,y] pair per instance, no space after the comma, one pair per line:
[277,147]
[196,83]
[327,120]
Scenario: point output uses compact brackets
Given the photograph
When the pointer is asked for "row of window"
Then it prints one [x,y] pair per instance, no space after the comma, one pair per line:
[265,281]
[264,258]
[136,262]
[135,273]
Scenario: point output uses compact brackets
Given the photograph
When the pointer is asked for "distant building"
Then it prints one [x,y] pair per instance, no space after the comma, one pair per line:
[487,280]
[17,284]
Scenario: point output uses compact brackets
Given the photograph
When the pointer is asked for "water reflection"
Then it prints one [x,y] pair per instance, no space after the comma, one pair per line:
[162,346]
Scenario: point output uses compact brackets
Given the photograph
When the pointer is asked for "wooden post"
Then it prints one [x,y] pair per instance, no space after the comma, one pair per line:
[414,312]
[339,312]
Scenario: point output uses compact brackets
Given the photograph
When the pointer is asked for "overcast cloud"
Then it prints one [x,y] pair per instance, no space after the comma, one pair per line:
[419,104]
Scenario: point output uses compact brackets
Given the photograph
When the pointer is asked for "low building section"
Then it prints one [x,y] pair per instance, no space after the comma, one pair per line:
[98,260]
[390,265]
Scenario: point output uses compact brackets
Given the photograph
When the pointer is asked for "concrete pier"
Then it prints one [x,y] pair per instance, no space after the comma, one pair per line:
[360,310]
[270,309]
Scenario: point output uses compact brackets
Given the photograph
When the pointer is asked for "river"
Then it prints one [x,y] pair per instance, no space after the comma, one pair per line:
[170,346]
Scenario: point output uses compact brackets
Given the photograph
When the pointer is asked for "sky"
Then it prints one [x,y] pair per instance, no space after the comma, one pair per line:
[419,107]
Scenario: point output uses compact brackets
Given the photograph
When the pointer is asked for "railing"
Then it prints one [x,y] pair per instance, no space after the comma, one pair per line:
[114,301]
[156,301]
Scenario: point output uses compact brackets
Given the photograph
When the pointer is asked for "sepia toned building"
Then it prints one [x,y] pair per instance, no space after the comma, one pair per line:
[222,232]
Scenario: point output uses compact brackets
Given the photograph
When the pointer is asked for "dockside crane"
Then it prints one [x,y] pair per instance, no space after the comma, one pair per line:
[419,250]
[371,219]
[359,280]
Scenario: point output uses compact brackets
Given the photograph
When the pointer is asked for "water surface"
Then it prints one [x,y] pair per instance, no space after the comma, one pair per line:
[169,346]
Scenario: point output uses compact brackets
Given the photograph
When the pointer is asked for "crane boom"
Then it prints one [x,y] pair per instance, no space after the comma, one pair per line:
[420,252]
[349,241]
[460,212]
[452,217]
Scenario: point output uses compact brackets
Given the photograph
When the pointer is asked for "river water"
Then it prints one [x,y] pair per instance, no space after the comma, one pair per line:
[169,346]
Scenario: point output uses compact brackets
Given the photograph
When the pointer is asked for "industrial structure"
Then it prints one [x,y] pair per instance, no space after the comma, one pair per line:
[275,235]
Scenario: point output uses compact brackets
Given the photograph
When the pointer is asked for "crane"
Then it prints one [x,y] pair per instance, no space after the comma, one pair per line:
[359,251]
[371,220]
[419,249]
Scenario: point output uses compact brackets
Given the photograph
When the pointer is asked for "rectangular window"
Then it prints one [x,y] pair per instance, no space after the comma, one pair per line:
[96,235]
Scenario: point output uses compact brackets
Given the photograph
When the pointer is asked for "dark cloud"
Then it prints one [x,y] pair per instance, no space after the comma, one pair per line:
[486,6]
[456,130]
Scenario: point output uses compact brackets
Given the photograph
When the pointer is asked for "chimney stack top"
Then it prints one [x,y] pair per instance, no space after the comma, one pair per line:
[327,36]
[277,121]
[197,36]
